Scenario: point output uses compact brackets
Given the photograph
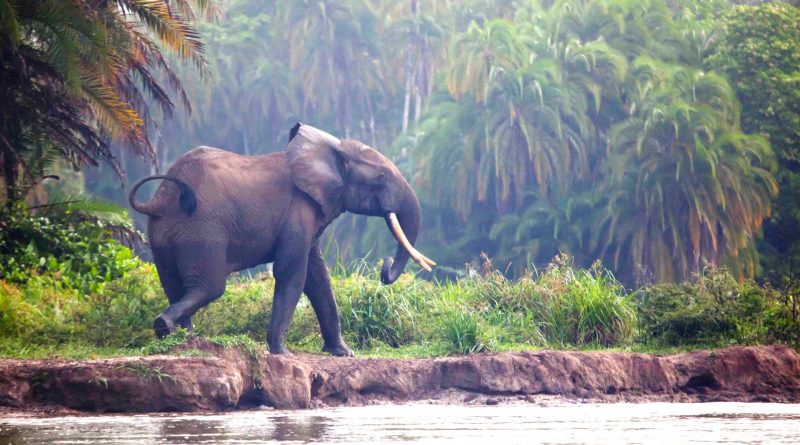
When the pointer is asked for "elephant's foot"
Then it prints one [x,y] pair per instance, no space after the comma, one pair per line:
[279,350]
[339,350]
[186,323]
[163,327]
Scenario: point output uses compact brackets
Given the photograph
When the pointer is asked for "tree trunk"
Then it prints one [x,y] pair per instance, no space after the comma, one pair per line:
[407,99]
[417,106]
[10,170]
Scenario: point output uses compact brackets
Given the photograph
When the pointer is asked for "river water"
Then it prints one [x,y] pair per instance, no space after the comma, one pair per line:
[667,423]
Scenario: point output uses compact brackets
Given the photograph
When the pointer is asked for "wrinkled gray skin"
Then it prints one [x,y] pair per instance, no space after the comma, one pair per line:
[218,212]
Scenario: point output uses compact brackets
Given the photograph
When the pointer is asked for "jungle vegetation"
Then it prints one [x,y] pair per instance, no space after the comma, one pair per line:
[634,132]
[659,138]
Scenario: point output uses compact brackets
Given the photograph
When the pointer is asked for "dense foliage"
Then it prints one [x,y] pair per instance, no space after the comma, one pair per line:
[759,51]
[72,241]
[76,74]
[43,314]
[655,136]
[588,134]
[716,310]
[598,128]
[561,307]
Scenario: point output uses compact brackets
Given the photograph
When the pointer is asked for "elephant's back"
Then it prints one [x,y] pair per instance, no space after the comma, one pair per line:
[219,176]
[231,189]
[209,164]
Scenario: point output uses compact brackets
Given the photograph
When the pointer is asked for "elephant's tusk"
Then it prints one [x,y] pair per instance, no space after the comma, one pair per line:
[419,258]
[426,259]
[423,264]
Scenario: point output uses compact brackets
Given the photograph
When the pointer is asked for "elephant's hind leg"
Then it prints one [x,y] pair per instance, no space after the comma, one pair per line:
[202,274]
[171,282]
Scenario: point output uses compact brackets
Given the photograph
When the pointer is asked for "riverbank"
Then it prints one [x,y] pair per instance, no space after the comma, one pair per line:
[225,379]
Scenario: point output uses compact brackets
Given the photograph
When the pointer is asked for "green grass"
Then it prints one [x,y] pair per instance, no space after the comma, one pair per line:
[72,350]
[558,308]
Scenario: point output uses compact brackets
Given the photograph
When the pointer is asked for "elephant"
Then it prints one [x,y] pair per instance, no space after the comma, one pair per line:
[217,212]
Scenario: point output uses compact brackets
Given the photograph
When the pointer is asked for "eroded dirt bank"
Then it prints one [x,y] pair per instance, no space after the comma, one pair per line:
[229,379]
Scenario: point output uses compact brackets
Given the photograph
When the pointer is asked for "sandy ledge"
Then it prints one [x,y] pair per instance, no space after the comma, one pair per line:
[230,380]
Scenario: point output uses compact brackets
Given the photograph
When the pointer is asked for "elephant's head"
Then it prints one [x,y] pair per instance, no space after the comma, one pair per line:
[350,176]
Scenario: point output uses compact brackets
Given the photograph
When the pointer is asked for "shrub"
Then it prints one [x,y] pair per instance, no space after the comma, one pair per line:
[599,307]
[77,254]
[40,311]
[122,314]
[715,310]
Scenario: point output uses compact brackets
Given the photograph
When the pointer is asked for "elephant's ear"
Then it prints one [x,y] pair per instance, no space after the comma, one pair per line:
[315,166]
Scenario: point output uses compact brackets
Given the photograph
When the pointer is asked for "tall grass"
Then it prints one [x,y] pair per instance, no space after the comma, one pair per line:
[374,312]
[558,307]
[461,332]
[561,307]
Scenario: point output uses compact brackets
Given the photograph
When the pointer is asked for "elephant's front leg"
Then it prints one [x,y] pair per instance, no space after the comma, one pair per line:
[318,289]
[291,263]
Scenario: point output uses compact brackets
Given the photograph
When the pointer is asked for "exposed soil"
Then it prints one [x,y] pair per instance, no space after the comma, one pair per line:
[230,379]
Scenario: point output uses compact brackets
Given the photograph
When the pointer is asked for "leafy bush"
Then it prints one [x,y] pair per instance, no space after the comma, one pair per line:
[758,49]
[43,311]
[122,314]
[40,311]
[715,310]
[600,308]
[65,278]
[77,253]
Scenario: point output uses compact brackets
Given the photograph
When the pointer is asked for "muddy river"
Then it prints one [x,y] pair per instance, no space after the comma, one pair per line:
[667,423]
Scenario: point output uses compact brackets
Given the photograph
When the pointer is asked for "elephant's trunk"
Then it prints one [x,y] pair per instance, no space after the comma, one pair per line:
[405,227]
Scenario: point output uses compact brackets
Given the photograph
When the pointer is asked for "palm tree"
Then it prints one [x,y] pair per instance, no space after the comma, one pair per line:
[557,135]
[534,111]
[487,64]
[688,187]
[251,82]
[566,223]
[95,61]
[339,71]
[417,39]
[480,54]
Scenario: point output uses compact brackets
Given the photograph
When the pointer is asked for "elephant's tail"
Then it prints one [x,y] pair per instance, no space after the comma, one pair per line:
[187,200]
